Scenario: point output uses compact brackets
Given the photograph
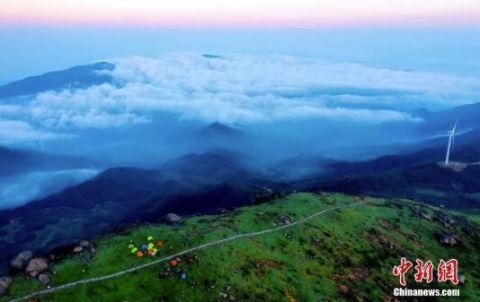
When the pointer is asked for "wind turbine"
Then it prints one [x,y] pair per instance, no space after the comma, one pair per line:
[451,140]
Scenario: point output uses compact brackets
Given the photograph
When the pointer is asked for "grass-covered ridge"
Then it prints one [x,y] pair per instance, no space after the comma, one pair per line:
[342,255]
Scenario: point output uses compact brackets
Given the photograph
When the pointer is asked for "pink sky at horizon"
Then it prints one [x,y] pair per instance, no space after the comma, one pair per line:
[287,13]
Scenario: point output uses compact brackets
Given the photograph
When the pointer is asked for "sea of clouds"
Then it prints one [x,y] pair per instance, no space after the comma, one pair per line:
[237,89]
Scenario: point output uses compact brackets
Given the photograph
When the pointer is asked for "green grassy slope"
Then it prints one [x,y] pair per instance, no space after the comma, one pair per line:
[346,255]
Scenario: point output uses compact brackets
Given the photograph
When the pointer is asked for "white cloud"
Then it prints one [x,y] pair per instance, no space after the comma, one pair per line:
[10,110]
[248,89]
[14,131]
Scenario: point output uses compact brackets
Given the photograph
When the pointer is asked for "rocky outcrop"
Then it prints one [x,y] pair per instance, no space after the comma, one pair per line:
[36,266]
[448,239]
[44,279]
[84,243]
[77,249]
[284,220]
[173,218]
[21,260]
[5,283]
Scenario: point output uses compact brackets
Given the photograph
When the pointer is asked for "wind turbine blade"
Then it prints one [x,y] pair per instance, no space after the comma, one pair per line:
[453,143]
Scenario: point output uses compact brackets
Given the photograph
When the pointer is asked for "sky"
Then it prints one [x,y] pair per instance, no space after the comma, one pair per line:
[286,13]
[38,36]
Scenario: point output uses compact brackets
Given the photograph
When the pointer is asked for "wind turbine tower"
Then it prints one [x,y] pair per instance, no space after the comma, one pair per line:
[451,140]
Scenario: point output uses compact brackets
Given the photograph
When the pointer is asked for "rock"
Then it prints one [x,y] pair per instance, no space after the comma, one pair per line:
[21,259]
[77,249]
[446,220]
[173,218]
[17,264]
[5,283]
[448,239]
[283,220]
[426,215]
[36,266]
[44,279]
[316,241]
[343,289]
[84,243]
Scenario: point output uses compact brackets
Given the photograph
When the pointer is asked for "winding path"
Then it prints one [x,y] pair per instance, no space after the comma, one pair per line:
[196,248]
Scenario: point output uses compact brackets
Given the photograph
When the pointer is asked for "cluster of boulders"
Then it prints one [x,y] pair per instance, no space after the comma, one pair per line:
[446,221]
[85,246]
[422,213]
[33,267]
[21,259]
[39,268]
[448,239]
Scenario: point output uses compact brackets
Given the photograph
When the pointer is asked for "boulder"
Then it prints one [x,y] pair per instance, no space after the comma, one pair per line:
[426,215]
[21,260]
[343,289]
[448,239]
[84,243]
[5,283]
[173,218]
[284,220]
[316,241]
[44,279]
[36,266]
[77,249]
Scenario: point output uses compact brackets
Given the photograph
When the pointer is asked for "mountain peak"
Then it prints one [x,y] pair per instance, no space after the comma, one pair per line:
[219,129]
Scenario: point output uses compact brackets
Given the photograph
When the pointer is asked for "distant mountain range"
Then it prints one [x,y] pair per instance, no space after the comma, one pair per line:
[414,175]
[75,77]
[202,183]
[427,182]
[467,116]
